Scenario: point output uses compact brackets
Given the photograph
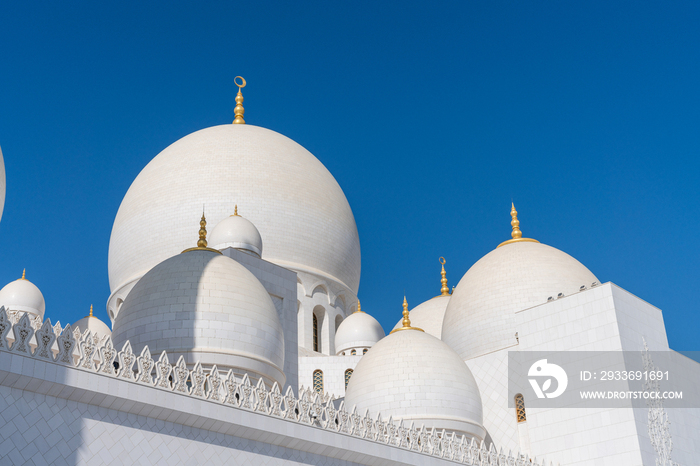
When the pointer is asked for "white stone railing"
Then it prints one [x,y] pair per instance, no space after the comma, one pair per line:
[84,351]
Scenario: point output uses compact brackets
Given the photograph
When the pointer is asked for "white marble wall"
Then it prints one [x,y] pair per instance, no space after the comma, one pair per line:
[330,301]
[603,318]
[333,368]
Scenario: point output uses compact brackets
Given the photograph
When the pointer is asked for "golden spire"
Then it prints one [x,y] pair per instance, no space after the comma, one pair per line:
[516,234]
[445,290]
[235,210]
[202,242]
[90,311]
[239,110]
[515,223]
[406,323]
[359,309]
[24,271]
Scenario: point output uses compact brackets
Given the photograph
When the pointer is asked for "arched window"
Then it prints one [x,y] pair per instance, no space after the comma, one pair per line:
[353,352]
[520,408]
[364,351]
[318,381]
[315,334]
[348,374]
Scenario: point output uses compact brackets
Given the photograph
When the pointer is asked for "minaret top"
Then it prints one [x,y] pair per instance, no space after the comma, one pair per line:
[516,234]
[239,110]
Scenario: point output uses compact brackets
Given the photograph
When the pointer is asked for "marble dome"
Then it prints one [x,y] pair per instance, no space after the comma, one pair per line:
[236,232]
[23,295]
[92,323]
[358,331]
[480,317]
[413,376]
[429,315]
[208,308]
[288,194]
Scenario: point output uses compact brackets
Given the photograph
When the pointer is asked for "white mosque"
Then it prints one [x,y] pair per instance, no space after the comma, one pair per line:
[241,340]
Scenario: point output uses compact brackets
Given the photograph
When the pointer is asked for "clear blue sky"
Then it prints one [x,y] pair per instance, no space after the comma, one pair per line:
[431,116]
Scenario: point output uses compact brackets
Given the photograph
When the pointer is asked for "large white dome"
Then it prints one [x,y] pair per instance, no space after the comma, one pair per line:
[429,315]
[413,376]
[24,296]
[359,331]
[286,192]
[208,308]
[480,316]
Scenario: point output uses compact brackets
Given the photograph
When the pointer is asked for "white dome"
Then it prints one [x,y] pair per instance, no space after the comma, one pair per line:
[429,315]
[236,232]
[95,325]
[413,376]
[289,195]
[2,184]
[480,316]
[23,295]
[209,308]
[358,330]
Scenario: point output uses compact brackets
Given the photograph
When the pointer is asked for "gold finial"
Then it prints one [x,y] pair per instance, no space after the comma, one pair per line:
[406,323]
[239,110]
[445,290]
[359,309]
[516,234]
[515,223]
[90,311]
[24,271]
[235,210]
[202,242]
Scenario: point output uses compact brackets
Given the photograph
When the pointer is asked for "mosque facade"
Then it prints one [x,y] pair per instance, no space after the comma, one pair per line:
[240,339]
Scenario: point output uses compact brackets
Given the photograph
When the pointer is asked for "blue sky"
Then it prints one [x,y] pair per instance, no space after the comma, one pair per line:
[431,116]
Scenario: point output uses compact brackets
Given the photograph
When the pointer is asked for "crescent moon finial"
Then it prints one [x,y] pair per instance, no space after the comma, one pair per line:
[239,110]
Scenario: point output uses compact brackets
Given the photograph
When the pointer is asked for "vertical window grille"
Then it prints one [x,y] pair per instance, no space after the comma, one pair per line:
[315,333]
[353,352]
[520,408]
[348,374]
[318,381]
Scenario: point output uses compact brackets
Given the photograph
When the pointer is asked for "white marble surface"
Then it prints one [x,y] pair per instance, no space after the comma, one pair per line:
[300,210]
[480,316]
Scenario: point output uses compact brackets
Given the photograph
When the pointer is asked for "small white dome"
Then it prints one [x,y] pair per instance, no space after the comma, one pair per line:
[429,315]
[23,295]
[480,315]
[236,232]
[92,323]
[413,376]
[358,330]
[208,308]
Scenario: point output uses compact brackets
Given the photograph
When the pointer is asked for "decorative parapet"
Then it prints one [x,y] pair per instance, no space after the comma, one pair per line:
[83,351]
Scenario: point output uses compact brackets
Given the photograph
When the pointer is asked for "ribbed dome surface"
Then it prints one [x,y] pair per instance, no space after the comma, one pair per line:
[413,376]
[480,316]
[286,192]
[208,308]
